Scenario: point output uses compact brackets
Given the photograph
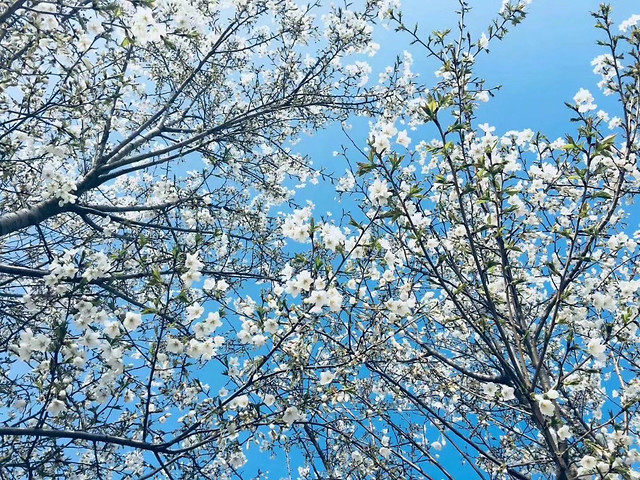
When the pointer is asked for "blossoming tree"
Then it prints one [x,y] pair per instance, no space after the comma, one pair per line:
[483,306]
[142,146]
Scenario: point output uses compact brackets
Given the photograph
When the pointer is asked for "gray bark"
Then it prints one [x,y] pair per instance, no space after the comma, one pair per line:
[28,217]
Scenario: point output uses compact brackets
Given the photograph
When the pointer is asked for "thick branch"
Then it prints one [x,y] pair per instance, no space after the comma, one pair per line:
[11,10]
[28,217]
[93,437]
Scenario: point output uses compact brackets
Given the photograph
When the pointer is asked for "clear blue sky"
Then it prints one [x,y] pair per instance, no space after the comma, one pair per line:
[540,64]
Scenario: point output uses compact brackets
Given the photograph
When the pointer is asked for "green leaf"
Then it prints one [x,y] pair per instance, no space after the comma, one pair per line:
[456,127]
[552,267]
[396,214]
[156,278]
[604,147]
[441,179]
[584,211]
[601,195]
[364,168]
[183,297]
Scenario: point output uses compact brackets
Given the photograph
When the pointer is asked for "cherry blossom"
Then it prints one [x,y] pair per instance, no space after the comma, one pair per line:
[174,307]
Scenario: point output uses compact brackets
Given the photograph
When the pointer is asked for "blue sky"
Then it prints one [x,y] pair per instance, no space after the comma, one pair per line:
[540,64]
[543,63]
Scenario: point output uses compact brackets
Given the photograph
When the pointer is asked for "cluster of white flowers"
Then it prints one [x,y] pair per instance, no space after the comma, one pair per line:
[332,236]
[385,451]
[320,298]
[237,459]
[57,183]
[629,23]
[346,182]
[360,70]
[604,66]
[296,226]
[546,172]
[301,283]
[602,467]
[545,402]
[347,25]
[379,192]
[183,14]
[388,6]
[381,135]
[193,265]
[56,407]
[596,348]
[98,266]
[212,284]
[584,101]
[292,415]
[45,16]
[204,350]
[134,462]
[503,392]
[63,267]
[400,307]
[29,343]
[250,333]
[162,191]
[88,313]
[208,325]
[145,28]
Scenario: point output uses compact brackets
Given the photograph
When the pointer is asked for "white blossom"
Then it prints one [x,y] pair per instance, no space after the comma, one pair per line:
[132,321]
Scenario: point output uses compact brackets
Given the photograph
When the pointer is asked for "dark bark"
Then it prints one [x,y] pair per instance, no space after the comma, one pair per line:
[28,217]
[94,437]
